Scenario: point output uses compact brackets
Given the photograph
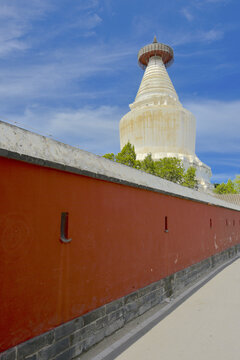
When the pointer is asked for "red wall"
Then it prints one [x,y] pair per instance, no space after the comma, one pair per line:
[118,244]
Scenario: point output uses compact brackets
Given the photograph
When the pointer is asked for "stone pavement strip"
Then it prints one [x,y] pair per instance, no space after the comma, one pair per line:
[205,326]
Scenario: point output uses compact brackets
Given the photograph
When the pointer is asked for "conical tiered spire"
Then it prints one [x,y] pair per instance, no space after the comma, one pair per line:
[155,82]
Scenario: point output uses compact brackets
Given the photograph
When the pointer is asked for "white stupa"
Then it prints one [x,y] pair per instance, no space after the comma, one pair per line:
[158,123]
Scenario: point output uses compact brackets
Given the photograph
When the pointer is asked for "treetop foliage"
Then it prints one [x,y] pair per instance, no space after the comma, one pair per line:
[127,156]
[167,168]
[190,178]
[170,169]
[231,187]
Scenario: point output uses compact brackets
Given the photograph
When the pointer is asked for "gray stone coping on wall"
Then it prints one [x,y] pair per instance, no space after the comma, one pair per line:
[70,340]
[27,146]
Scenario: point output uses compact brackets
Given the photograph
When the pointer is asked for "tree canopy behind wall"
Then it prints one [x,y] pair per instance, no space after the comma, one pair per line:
[169,168]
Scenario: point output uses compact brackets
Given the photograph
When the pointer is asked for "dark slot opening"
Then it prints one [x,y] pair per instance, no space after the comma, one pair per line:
[210,223]
[166,224]
[64,227]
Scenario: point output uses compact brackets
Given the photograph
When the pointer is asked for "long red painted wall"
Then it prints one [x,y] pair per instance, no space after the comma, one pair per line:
[118,244]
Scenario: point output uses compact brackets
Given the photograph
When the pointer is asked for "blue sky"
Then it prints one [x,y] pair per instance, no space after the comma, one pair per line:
[68,69]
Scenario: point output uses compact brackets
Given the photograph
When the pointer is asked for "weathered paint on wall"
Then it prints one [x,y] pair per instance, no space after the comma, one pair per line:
[119,244]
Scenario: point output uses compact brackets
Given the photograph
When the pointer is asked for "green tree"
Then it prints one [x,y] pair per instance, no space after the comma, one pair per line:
[170,169]
[148,165]
[237,183]
[138,165]
[127,155]
[167,168]
[189,178]
[228,188]
[109,156]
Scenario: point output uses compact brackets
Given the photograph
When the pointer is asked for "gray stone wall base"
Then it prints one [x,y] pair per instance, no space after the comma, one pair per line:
[71,339]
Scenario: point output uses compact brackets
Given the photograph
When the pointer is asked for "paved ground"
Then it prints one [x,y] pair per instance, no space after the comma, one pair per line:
[206,326]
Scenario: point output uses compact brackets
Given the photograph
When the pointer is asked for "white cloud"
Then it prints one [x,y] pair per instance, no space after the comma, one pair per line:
[64,73]
[17,19]
[221,177]
[91,129]
[211,35]
[23,11]
[15,23]
[200,36]
[84,20]
[206,3]
[87,22]
[10,37]
[87,122]
[229,162]
[217,1]
[8,12]
[187,14]
[87,4]
[93,21]
[218,126]
[8,46]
